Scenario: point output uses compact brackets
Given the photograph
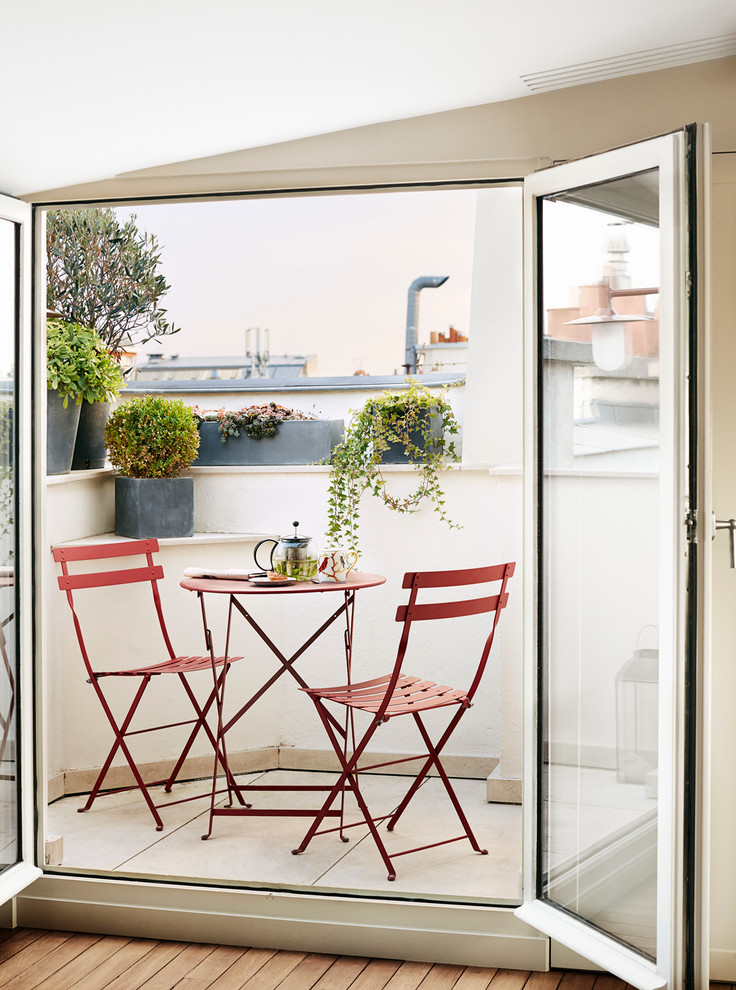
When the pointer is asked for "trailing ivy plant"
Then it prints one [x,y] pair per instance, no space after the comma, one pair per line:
[404,418]
[104,274]
[152,436]
[255,421]
[78,365]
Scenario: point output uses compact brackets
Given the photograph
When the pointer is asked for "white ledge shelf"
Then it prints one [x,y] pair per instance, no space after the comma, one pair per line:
[206,539]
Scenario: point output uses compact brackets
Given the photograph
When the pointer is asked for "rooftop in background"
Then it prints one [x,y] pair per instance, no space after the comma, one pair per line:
[296,383]
[237,368]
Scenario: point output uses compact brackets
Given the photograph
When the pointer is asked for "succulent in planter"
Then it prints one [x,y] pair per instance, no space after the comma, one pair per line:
[262,435]
[418,422]
[150,439]
[256,421]
[79,372]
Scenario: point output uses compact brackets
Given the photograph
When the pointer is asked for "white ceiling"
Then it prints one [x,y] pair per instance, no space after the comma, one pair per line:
[92,88]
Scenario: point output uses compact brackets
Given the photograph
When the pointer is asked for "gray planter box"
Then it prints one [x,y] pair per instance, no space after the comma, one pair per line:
[154,507]
[61,427]
[89,450]
[299,441]
[396,452]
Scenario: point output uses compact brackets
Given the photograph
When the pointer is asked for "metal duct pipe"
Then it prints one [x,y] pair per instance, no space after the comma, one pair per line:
[412,316]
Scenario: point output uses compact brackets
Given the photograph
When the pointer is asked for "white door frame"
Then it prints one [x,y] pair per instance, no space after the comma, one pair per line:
[16,878]
[668,155]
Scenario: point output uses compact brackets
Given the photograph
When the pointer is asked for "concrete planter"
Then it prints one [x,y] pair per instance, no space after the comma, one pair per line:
[299,441]
[396,452]
[154,507]
[89,450]
[61,427]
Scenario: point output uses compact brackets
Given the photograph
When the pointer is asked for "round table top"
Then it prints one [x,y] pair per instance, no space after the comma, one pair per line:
[224,586]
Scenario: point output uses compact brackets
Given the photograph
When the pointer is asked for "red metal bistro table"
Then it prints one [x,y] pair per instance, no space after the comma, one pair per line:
[236,592]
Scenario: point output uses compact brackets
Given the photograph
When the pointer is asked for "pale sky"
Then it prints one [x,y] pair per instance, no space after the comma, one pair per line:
[325,274]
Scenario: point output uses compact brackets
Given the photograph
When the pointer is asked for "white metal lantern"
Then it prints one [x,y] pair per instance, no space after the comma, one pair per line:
[636,716]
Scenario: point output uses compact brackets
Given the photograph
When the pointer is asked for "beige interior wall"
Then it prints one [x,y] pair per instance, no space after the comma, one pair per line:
[509,139]
[723,754]
[496,140]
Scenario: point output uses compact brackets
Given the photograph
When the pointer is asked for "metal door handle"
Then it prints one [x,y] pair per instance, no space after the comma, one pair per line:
[730,525]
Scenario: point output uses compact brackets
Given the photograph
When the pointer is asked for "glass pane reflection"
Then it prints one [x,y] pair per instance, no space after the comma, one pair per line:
[8,734]
[600,497]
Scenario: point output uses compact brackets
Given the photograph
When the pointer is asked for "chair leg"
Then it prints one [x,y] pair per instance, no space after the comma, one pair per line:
[121,744]
[348,777]
[201,723]
[424,771]
[435,760]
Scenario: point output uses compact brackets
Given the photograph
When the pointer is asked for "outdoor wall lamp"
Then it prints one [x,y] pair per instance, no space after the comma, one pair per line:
[609,337]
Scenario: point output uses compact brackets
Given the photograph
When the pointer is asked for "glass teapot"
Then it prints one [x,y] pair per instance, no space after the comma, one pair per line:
[291,556]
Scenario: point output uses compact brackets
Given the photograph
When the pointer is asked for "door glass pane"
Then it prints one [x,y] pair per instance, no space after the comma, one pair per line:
[8,735]
[600,569]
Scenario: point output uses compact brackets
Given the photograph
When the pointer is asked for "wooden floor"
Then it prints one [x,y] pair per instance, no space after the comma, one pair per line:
[46,960]
[31,959]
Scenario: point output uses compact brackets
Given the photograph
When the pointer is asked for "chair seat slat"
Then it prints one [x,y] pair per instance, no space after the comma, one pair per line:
[179,665]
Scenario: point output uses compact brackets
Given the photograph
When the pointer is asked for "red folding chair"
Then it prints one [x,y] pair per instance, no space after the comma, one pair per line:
[181,666]
[397,694]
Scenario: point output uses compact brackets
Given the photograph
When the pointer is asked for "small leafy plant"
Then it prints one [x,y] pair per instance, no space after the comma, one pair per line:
[78,364]
[255,421]
[152,436]
[403,418]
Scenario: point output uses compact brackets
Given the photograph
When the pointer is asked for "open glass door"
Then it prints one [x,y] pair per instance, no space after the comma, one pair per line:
[612,461]
[16,706]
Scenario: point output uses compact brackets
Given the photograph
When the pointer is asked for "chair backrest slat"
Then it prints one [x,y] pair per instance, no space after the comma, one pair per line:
[449,579]
[102,551]
[449,610]
[414,611]
[151,574]
[130,575]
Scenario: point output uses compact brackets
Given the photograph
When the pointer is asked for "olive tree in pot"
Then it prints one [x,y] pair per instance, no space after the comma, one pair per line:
[102,272]
[79,372]
[150,439]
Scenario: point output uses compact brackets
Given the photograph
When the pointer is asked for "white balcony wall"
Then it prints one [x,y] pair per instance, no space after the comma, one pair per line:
[250,500]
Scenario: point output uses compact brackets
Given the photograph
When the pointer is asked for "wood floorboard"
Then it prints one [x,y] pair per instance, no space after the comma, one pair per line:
[344,971]
[441,977]
[376,975]
[309,970]
[206,972]
[173,972]
[31,955]
[119,961]
[16,940]
[64,957]
[544,981]
[509,979]
[475,978]
[408,976]
[35,959]
[275,971]
[244,969]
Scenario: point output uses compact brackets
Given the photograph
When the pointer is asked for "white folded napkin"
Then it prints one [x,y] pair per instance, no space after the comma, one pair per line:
[234,574]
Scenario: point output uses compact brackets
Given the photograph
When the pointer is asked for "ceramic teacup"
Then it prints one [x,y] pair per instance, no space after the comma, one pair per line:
[335,564]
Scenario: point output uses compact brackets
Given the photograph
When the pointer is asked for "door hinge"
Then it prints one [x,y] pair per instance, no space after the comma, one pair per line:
[691,525]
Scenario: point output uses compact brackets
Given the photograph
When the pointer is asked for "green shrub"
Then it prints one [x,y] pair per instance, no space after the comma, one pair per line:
[152,437]
[78,364]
